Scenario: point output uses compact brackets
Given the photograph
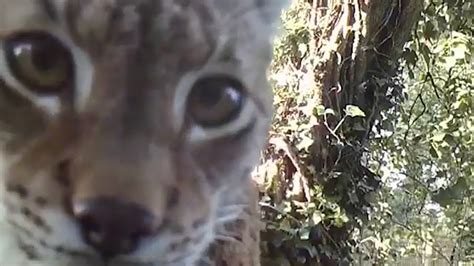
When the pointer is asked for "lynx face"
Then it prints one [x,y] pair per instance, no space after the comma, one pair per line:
[128,128]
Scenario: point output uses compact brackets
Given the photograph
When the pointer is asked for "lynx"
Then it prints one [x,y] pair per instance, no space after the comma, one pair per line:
[129,128]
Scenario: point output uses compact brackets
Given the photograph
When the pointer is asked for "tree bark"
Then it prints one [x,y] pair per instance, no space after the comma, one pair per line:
[351,59]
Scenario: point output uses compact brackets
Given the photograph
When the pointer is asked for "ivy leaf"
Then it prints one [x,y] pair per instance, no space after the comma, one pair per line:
[329,111]
[317,217]
[410,57]
[319,109]
[354,111]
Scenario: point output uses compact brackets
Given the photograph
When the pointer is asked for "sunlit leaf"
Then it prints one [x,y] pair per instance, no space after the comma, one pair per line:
[354,111]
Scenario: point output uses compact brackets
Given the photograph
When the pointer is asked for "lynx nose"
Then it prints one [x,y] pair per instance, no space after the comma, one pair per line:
[113,227]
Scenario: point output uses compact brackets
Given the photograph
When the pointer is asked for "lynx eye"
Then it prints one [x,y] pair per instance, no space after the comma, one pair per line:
[40,61]
[215,101]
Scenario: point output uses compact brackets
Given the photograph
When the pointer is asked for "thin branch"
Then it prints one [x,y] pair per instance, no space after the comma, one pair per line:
[412,108]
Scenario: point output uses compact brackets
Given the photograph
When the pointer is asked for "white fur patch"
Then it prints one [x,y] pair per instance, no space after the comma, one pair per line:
[9,252]
[84,71]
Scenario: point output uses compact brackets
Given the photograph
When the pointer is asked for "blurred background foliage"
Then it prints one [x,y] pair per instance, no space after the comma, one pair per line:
[371,152]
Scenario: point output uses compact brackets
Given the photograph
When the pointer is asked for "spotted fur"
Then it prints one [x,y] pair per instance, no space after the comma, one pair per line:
[121,130]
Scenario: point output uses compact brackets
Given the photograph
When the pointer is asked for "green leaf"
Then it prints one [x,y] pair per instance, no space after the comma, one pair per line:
[354,111]
[317,217]
[434,152]
[450,140]
[438,137]
[305,143]
[319,109]
[329,111]
[425,52]
[304,234]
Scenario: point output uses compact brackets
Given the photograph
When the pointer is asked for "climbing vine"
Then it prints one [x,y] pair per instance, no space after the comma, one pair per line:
[335,73]
[372,127]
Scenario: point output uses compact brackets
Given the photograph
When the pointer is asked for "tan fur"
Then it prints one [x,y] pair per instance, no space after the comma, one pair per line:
[121,129]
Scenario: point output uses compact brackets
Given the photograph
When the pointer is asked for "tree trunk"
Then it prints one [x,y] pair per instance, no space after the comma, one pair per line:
[346,54]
